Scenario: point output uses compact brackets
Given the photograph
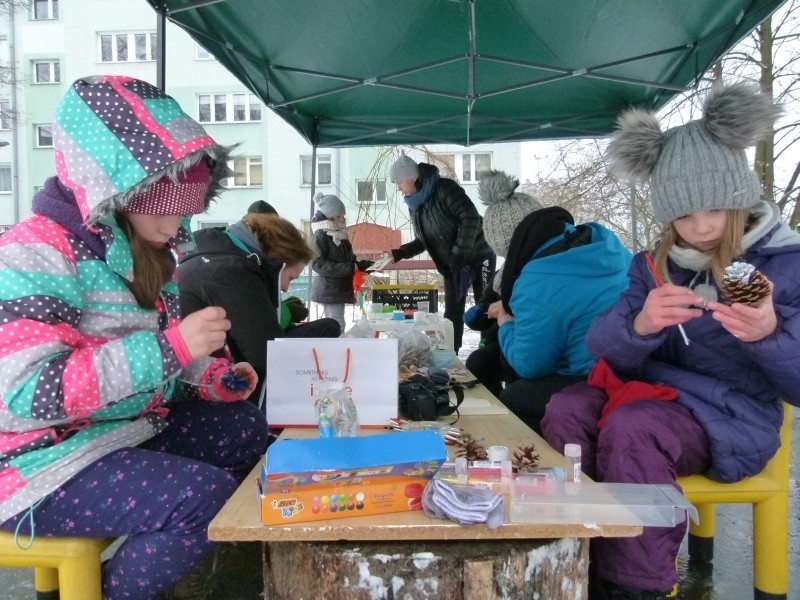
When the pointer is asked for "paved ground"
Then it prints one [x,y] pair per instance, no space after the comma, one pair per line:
[237,574]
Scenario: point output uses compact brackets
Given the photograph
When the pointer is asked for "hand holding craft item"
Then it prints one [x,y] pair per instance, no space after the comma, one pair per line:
[227,383]
[659,283]
[742,283]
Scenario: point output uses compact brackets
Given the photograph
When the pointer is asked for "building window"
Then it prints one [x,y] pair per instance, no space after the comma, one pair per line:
[468,167]
[201,53]
[128,47]
[323,169]
[5,179]
[371,191]
[5,114]
[44,10]
[44,136]
[210,224]
[46,71]
[228,108]
[247,172]
[4,51]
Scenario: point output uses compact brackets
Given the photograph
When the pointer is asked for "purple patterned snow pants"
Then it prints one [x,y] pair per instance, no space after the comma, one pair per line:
[646,441]
[161,494]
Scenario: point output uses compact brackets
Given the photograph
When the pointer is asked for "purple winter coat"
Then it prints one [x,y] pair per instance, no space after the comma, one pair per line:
[733,389]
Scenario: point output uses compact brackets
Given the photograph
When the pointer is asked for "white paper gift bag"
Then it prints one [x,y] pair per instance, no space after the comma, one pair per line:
[297,367]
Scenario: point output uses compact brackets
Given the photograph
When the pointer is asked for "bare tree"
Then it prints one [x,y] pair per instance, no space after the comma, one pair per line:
[579,180]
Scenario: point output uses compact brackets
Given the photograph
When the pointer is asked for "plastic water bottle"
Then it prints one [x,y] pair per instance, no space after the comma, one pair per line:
[324,408]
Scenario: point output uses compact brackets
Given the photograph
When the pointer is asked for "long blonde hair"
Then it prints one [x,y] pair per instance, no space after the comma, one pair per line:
[730,244]
[280,239]
[152,266]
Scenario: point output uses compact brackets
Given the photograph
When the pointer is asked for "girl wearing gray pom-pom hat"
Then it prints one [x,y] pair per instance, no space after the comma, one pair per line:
[686,383]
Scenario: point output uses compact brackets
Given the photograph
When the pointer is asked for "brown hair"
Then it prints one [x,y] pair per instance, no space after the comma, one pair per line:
[152,266]
[730,244]
[279,239]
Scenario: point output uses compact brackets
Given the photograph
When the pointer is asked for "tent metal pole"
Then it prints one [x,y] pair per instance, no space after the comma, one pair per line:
[634,221]
[161,40]
[311,203]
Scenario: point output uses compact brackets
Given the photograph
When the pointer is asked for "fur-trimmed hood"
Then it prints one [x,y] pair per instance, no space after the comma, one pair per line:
[115,135]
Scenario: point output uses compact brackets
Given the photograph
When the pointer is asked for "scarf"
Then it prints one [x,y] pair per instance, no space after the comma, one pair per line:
[336,231]
[767,215]
[421,197]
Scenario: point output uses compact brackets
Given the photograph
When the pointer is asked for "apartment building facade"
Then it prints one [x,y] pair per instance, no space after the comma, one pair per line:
[46,45]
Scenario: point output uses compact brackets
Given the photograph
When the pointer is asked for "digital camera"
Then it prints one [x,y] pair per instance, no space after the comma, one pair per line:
[423,400]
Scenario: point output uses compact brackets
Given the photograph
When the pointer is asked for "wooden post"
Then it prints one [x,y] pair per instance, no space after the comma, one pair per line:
[457,570]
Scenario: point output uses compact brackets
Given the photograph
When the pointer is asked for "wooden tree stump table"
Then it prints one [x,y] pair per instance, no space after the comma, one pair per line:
[458,570]
[406,555]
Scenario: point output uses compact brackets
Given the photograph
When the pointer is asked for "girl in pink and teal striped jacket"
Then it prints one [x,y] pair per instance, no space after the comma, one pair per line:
[114,418]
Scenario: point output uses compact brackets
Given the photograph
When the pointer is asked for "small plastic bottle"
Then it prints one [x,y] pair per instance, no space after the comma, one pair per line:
[324,409]
[572,452]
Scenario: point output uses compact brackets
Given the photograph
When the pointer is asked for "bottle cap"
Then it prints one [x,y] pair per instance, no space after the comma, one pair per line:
[572,450]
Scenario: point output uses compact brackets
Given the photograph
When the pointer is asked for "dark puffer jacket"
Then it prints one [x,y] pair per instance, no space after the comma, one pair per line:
[219,273]
[447,222]
[335,267]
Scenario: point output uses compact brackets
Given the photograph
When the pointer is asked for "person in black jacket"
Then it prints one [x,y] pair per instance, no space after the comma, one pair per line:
[336,263]
[244,269]
[447,225]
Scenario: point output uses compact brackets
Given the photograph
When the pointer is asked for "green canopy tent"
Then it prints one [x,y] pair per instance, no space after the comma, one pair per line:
[393,72]
[381,72]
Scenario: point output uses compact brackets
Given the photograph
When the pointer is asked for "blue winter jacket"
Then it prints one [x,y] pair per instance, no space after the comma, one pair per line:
[732,388]
[554,301]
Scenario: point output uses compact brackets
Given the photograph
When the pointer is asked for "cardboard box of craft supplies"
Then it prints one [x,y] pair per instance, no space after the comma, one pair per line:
[314,479]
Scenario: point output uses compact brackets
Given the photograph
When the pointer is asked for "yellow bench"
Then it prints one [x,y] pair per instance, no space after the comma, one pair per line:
[768,492]
[70,566]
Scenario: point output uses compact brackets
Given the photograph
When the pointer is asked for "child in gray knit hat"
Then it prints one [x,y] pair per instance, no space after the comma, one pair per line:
[555,279]
[336,263]
[686,383]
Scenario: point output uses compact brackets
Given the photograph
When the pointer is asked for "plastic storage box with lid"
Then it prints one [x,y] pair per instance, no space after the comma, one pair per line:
[599,504]
[312,479]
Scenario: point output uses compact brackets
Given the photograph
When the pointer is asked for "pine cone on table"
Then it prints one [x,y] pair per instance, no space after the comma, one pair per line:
[470,448]
[742,283]
[525,457]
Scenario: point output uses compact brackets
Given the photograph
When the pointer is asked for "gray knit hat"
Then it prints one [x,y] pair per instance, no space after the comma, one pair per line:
[505,209]
[403,168]
[329,205]
[701,165]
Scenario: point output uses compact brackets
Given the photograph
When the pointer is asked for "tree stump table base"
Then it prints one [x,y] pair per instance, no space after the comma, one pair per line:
[456,570]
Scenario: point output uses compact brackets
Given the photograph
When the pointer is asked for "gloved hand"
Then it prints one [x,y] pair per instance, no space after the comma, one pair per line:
[397,254]
[457,262]
[297,309]
[473,315]
[226,382]
[363,265]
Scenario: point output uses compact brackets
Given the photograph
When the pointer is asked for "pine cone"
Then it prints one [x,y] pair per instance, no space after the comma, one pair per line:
[525,457]
[470,448]
[742,283]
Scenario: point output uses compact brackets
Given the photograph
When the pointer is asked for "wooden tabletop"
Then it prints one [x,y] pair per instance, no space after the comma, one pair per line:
[239,519]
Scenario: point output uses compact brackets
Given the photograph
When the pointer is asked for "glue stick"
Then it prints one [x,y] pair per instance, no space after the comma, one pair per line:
[572,452]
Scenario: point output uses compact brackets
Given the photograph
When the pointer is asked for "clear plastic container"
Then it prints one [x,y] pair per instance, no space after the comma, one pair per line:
[598,504]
